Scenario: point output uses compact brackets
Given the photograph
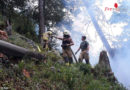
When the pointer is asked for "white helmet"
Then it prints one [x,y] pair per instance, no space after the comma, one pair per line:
[49,32]
[66,32]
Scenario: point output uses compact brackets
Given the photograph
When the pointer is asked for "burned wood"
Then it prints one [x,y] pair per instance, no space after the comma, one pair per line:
[12,50]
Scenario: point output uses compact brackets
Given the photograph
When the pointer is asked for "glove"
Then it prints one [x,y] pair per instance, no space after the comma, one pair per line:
[53,35]
[64,45]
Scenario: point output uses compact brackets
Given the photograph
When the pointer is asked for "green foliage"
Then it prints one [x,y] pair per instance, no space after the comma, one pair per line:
[7,6]
[54,76]
[25,26]
[24,17]
[85,68]
[51,56]
[15,39]
[53,11]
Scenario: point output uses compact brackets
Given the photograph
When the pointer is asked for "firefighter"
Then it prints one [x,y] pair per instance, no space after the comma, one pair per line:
[47,36]
[67,42]
[84,46]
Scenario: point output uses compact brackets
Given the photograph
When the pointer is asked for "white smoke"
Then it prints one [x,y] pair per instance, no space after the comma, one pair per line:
[120,65]
[82,25]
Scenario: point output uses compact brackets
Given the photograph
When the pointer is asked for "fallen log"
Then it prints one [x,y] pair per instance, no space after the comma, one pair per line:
[12,50]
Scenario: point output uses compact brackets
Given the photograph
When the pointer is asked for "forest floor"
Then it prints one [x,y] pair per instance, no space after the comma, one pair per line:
[32,74]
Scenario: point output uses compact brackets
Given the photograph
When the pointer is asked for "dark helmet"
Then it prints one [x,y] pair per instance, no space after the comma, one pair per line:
[84,37]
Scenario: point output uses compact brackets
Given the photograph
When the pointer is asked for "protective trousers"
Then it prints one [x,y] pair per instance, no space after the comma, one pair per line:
[84,55]
[67,55]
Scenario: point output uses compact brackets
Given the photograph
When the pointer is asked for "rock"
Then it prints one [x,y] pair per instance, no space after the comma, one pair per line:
[53,69]
[104,67]
[104,61]
[61,62]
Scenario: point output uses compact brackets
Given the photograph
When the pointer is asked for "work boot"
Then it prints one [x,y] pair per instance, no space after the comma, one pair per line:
[71,60]
[66,59]
[67,64]
[87,61]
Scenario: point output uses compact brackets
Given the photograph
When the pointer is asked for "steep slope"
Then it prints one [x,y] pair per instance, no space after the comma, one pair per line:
[32,74]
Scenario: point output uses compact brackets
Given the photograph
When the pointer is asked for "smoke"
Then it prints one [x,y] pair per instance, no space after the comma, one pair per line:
[82,22]
[121,64]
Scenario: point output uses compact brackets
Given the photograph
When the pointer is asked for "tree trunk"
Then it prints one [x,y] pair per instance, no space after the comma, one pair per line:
[9,27]
[12,50]
[41,19]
